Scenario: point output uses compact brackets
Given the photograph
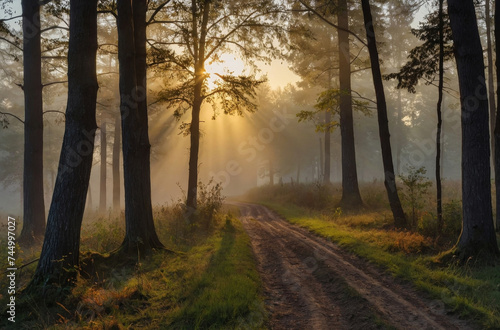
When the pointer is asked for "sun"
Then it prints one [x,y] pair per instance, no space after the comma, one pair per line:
[227,64]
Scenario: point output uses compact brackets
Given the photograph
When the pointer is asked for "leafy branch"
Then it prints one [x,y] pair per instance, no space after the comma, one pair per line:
[328,101]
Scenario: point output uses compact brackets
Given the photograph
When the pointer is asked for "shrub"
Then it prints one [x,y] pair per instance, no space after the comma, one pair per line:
[177,225]
[210,201]
[103,235]
[452,218]
[416,185]
[427,224]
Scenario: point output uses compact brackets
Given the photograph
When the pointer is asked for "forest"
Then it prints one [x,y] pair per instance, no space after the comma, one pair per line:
[263,164]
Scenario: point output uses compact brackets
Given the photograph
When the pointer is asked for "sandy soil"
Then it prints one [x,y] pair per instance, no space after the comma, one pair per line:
[310,283]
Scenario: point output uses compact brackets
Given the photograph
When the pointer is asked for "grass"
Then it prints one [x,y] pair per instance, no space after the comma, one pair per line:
[220,297]
[470,291]
[211,283]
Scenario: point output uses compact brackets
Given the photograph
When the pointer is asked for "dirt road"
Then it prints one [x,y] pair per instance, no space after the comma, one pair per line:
[311,283]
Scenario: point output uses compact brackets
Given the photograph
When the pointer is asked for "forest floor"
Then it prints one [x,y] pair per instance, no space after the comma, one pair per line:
[310,282]
[211,281]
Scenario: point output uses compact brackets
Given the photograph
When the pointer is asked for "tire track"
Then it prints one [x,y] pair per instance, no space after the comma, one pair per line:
[312,283]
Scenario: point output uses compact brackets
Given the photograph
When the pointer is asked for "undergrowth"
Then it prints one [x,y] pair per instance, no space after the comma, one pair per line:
[210,282]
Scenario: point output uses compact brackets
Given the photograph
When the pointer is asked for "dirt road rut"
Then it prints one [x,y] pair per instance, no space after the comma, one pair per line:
[310,283]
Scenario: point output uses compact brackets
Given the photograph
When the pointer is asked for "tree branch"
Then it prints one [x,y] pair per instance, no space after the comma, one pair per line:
[359,53]
[54,28]
[105,73]
[54,83]
[11,43]
[12,115]
[55,111]
[157,10]
[221,40]
[54,57]
[362,97]
[108,12]
[10,18]
[312,10]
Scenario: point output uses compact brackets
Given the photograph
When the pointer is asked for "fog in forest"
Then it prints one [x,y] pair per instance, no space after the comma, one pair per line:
[242,152]
[281,164]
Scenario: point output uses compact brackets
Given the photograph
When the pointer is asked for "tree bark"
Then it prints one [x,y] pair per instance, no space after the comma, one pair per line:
[351,198]
[439,198]
[328,143]
[497,117]
[328,139]
[491,86]
[34,205]
[103,178]
[89,205]
[61,247]
[192,191]
[400,220]
[321,161]
[199,40]
[478,236]
[116,165]
[140,234]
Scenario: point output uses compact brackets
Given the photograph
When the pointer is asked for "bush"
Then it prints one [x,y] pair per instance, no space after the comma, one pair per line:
[452,218]
[416,185]
[427,225]
[178,225]
[210,201]
[103,235]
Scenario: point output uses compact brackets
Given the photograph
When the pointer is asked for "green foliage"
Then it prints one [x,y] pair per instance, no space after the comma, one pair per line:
[103,235]
[235,93]
[203,33]
[328,101]
[427,224]
[416,185]
[452,218]
[452,223]
[423,61]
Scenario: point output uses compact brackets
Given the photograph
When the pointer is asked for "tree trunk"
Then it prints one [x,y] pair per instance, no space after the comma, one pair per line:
[400,220]
[116,165]
[104,152]
[439,120]
[497,117]
[399,132]
[328,139]
[34,205]
[328,143]
[89,199]
[399,122]
[192,191]
[271,172]
[321,161]
[351,198]
[297,179]
[199,72]
[140,234]
[59,258]
[478,236]
[491,87]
